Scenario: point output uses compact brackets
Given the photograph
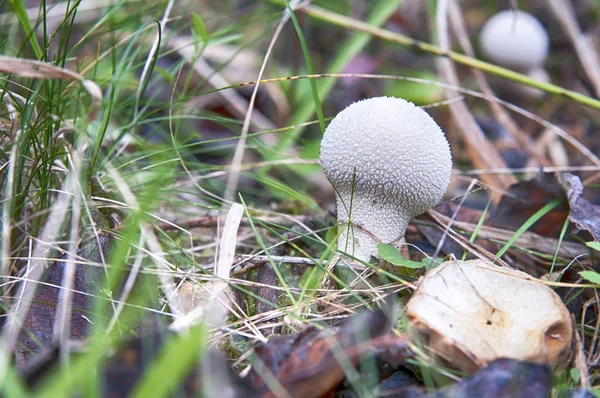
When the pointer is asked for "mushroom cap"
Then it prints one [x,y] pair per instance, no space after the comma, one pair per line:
[399,161]
[515,39]
[470,313]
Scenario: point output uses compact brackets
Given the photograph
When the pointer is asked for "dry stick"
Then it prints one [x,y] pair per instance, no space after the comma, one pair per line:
[458,24]
[480,252]
[584,47]
[238,156]
[260,259]
[62,325]
[393,37]
[532,169]
[250,262]
[481,151]
[560,132]
[528,240]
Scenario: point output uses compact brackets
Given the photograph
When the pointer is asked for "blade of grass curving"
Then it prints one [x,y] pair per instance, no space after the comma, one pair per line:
[21,13]
[348,50]
[13,385]
[350,224]
[478,227]
[527,224]
[149,65]
[7,208]
[111,96]
[152,57]
[309,68]
[561,237]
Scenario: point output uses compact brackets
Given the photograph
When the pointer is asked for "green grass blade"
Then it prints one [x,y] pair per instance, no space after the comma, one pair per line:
[309,68]
[478,227]
[167,372]
[21,13]
[353,46]
[527,224]
[12,386]
[563,232]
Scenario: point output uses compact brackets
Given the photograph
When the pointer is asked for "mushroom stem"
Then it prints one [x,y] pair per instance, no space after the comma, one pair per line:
[364,230]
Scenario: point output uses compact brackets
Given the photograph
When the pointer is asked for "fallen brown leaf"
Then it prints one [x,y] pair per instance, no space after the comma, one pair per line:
[584,215]
[314,362]
[38,325]
[525,198]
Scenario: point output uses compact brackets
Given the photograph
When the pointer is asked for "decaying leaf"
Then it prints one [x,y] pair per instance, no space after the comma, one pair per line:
[314,362]
[502,378]
[583,214]
[469,313]
[44,70]
[525,198]
[38,327]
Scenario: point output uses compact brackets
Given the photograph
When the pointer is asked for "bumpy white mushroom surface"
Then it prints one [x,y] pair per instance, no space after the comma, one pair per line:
[389,161]
[470,313]
[516,40]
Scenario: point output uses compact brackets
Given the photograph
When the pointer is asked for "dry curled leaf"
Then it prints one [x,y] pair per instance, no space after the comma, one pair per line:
[309,365]
[30,68]
[584,215]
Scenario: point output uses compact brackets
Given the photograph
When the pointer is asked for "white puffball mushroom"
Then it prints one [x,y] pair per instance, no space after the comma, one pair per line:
[516,40]
[470,313]
[389,161]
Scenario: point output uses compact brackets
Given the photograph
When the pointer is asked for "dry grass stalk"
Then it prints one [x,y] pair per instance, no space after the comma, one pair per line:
[481,152]
[212,301]
[503,117]
[584,47]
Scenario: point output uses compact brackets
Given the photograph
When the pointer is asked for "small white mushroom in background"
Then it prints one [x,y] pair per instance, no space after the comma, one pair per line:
[470,313]
[518,41]
[389,161]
